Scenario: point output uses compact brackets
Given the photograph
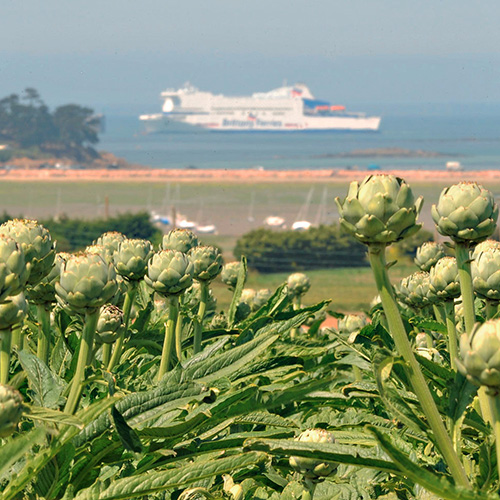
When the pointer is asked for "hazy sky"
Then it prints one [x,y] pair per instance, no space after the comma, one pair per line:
[119,54]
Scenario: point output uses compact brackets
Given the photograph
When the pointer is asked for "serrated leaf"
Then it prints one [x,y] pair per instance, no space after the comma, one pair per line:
[152,482]
[45,385]
[18,447]
[53,416]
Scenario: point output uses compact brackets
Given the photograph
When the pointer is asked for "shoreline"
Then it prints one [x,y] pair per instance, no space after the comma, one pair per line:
[146,174]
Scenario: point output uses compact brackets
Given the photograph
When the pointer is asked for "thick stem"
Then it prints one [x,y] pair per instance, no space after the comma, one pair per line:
[494,401]
[452,333]
[86,346]
[296,304]
[198,326]
[5,348]
[178,336]
[127,307]
[464,274]
[462,254]
[168,343]
[17,337]
[106,354]
[417,380]
[44,334]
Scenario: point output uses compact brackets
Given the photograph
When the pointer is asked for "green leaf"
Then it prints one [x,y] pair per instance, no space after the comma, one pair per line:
[434,326]
[240,284]
[18,447]
[440,485]
[45,385]
[153,482]
[53,416]
[225,363]
[462,392]
[329,452]
[129,438]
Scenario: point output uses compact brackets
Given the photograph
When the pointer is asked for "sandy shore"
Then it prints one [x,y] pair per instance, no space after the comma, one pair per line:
[223,175]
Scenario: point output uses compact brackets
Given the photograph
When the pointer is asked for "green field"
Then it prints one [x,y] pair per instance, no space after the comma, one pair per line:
[228,206]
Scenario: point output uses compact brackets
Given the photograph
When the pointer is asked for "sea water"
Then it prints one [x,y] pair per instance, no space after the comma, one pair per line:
[469,134]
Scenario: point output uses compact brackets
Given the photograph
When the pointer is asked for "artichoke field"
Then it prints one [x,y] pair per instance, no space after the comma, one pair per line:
[120,377]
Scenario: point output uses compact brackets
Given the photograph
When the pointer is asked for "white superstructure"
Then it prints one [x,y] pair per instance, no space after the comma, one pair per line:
[285,108]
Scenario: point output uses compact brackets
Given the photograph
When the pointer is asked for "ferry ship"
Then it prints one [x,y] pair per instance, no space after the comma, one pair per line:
[287,108]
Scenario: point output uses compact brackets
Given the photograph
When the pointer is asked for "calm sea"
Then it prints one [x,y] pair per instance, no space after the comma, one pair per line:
[466,133]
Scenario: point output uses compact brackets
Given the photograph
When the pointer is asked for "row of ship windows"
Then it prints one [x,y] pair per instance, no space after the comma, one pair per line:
[245,113]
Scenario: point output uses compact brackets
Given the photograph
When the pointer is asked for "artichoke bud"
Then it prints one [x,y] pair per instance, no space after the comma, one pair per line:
[229,274]
[118,298]
[13,311]
[132,257]
[14,271]
[428,254]
[444,282]
[169,272]
[243,310]
[181,240]
[106,253]
[485,270]
[207,261]
[11,410]
[110,241]
[351,323]
[380,210]
[86,283]
[485,246]
[298,284]
[37,244]
[421,340]
[480,355]
[219,322]
[110,324]
[466,212]
[415,291]
[311,468]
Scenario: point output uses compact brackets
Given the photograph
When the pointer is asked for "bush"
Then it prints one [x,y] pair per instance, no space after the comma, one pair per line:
[76,234]
[323,247]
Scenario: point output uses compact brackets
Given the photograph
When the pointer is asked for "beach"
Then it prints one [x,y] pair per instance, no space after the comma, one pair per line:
[145,174]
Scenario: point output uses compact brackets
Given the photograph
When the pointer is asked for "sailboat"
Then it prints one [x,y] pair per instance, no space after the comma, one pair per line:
[301,224]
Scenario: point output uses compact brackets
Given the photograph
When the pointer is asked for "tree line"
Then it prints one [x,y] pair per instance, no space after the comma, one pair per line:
[30,128]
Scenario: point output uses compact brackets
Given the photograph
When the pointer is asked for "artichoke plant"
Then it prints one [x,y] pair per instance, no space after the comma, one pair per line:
[110,241]
[351,323]
[169,272]
[109,325]
[298,284]
[380,210]
[480,360]
[312,468]
[106,253]
[11,410]
[485,270]
[192,298]
[229,274]
[444,282]
[180,240]
[466,212]
[14,270]
[261,297]
[414,290]
[86,282]
[485,246]
[132,257]
[207,261]
[428,254]
[37,244]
